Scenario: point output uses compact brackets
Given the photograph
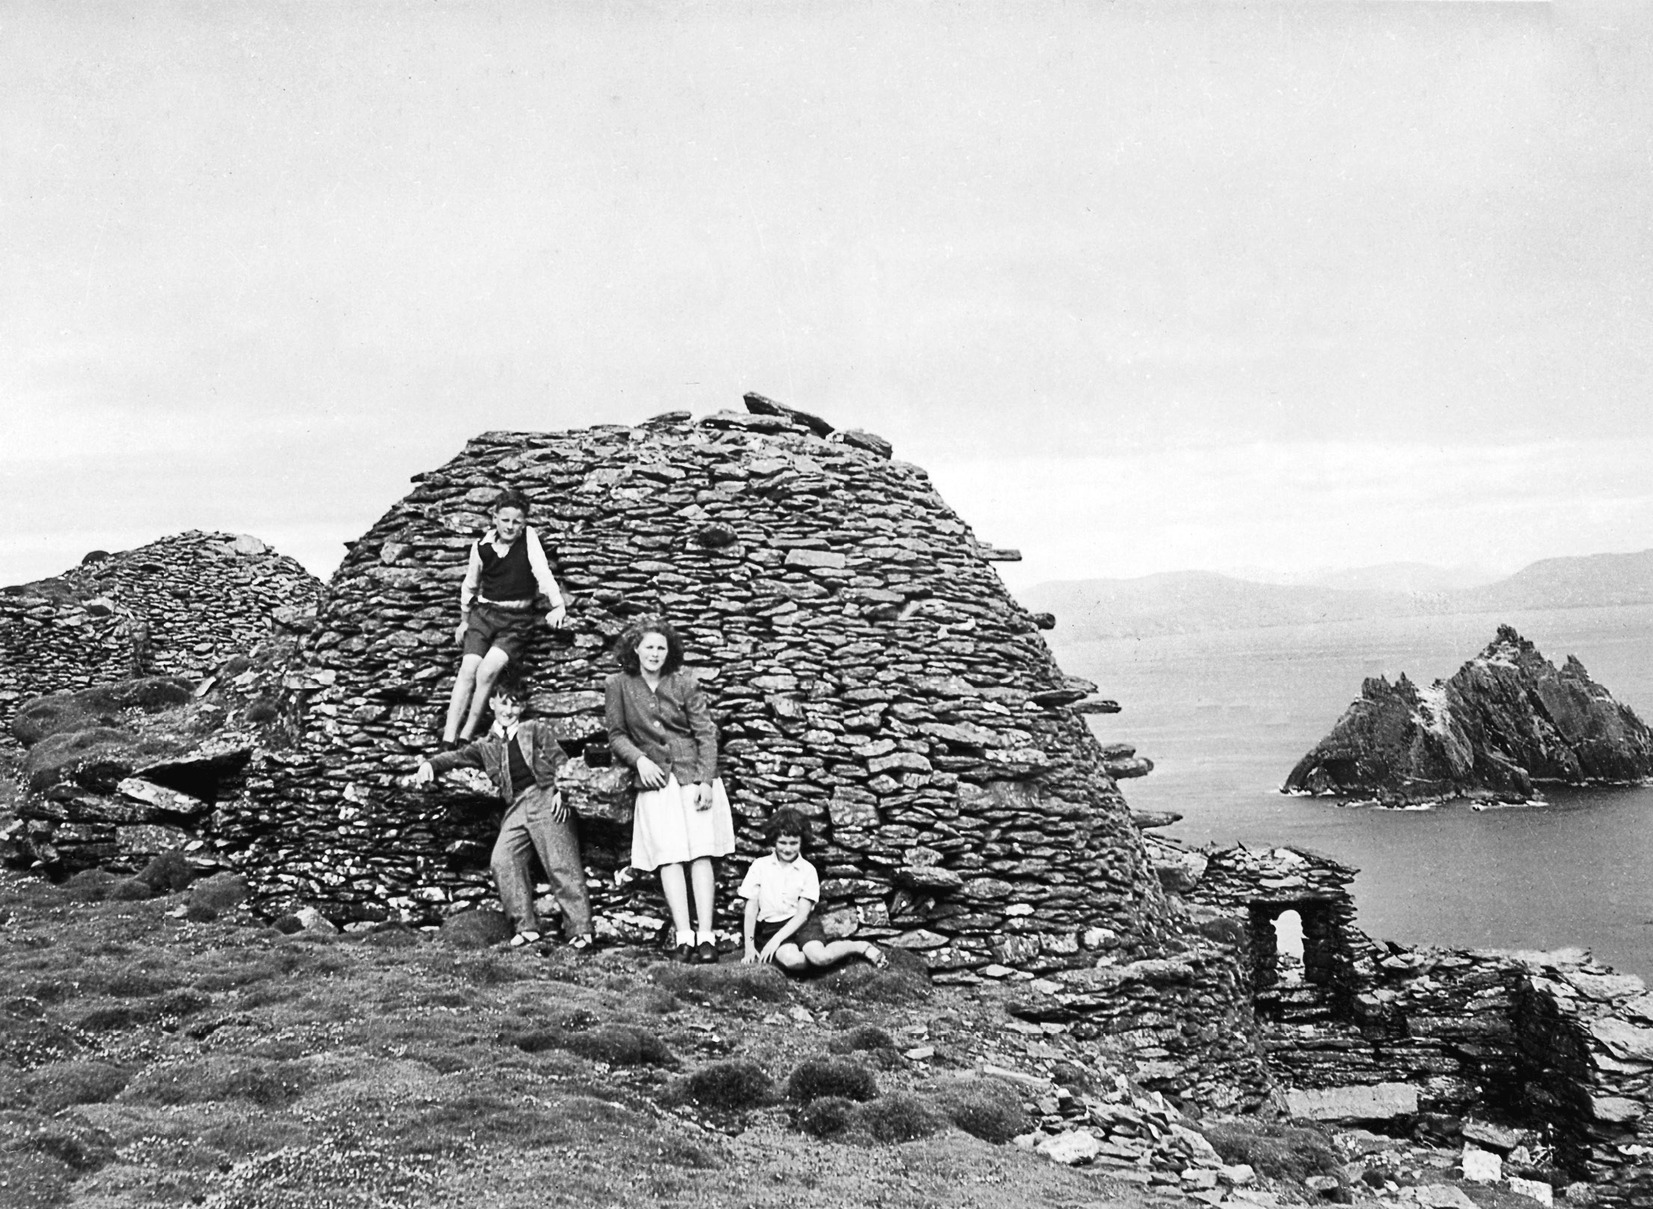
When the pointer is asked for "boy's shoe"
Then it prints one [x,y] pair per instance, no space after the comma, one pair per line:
[528,937]
[684,954]
[706,953]
[583,944]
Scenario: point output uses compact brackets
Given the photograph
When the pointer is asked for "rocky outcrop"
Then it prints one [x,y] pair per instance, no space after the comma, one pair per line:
[1507,720]
[179,606]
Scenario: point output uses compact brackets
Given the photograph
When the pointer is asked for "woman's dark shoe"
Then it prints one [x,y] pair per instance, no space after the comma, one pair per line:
[684,953]
[583,944]
[706,953]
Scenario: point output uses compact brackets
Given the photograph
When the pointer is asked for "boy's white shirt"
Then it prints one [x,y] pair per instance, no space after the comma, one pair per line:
[537,563]
[778,887]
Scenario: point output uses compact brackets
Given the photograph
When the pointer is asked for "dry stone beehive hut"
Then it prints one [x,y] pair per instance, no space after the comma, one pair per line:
[863,660]
[177,606]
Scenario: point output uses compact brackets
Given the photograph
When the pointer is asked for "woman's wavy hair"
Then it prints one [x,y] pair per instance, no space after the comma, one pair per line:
[626,651]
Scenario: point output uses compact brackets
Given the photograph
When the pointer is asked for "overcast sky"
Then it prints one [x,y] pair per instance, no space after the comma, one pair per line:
[1144,287]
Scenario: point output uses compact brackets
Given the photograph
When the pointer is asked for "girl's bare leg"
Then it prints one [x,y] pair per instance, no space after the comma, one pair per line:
[677,899]
[705,888]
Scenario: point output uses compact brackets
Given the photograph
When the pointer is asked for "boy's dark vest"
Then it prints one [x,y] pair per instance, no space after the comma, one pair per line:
[509,577]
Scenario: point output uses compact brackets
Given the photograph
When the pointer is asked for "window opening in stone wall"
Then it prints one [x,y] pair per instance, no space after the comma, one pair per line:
[1288,947]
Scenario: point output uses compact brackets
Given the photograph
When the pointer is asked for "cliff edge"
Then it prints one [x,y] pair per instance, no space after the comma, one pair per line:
[1507,719]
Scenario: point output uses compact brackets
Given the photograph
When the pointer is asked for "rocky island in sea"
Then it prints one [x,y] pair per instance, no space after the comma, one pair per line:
[198,713]
[1506,721]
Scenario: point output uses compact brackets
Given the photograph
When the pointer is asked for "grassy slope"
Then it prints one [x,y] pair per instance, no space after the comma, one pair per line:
[146,1060]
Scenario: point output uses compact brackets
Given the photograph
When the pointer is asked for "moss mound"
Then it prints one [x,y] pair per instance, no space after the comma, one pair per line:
[731,1086]
[1282,1152]
[840,1077]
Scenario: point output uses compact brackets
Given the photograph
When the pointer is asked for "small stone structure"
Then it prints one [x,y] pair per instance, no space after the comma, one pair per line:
[863,661]
[178,606]
[1377,1031]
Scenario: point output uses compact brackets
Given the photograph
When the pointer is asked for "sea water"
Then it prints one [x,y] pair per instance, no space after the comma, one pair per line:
[1224,715]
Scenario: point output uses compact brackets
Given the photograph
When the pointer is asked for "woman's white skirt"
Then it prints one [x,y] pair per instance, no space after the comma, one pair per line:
[667,829]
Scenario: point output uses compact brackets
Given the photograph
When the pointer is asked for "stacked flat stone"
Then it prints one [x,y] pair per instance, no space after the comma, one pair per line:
[181,606]
[863,661]
[1180,1025]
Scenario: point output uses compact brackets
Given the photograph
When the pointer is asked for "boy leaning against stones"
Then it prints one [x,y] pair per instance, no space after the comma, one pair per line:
[521,757]
[781,891]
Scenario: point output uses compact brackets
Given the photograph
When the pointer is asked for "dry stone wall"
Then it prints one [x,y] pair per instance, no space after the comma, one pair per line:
[177,606]
[863,661]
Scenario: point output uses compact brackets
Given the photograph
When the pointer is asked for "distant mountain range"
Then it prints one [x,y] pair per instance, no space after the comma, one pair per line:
[1187,601]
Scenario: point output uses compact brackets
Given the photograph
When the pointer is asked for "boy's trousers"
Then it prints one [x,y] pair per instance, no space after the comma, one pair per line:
[528,826]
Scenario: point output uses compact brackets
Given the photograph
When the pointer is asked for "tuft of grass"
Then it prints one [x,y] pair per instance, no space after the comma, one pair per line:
[76,1145]
[260,711]
[1071,1076]
[392,934]
[96,757]
[219,892]
[615,1044]
[89,885]
[264,1082]
[675,1150]
[988,1109]
[33,1181]
[830,1117]
[724,983]
[29,1039]
[731,1086]
[57,1085]
[899,1117]
[1282,1152]
[168,873]
[865,1037]
[840,1077]
[621,1045]
[870,1040]
[236,972]
[114,1019]
[455,1126]
[131,983]
[906,979]
[475,929]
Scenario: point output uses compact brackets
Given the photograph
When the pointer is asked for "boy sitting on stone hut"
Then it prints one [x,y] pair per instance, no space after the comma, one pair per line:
[507,574]
[521,758]
[781,891]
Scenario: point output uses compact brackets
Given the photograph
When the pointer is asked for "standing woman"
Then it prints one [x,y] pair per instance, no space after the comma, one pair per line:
[658,723]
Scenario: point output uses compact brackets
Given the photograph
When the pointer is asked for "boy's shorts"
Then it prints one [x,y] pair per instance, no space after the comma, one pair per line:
[491,626]
[809,930]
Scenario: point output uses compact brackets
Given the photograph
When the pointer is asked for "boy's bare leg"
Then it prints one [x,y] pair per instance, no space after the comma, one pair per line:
[790,957]
[487,671]
[834,951]
[464,684]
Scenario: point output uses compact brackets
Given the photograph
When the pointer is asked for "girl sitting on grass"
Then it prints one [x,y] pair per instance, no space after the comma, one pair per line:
[781,891]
